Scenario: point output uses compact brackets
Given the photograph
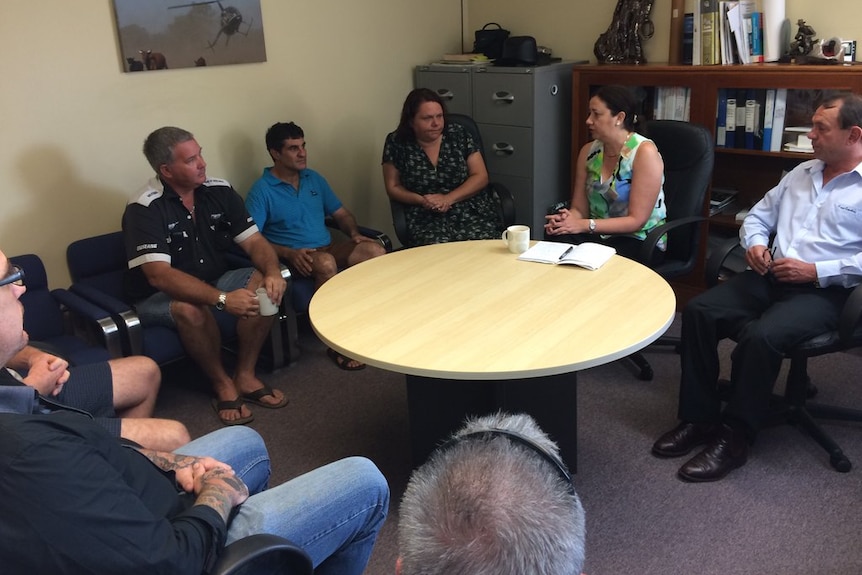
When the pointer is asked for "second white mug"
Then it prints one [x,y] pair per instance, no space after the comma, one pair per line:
[517,238]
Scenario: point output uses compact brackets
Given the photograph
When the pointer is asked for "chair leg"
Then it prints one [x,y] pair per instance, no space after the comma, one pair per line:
[797,391]
[646,373]
[804,416]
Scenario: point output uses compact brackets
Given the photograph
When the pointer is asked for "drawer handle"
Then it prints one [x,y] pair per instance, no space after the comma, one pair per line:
[504,97]
[445,93]
[503,149]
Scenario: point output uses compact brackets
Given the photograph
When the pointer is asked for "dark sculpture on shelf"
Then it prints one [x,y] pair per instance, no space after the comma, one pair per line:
[631,24]
[804,40]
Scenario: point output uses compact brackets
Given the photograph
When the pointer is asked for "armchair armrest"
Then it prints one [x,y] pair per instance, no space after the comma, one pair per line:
[506,202]
[717,258]
[121,312]
[263,553]
[647,248]
[96,317]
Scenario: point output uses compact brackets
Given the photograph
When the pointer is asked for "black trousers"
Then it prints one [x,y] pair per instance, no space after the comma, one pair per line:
[766,318]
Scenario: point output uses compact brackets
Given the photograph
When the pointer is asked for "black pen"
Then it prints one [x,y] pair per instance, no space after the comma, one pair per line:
[565,253]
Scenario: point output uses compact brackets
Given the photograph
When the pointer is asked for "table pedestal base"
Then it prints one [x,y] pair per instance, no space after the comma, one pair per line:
[437,408]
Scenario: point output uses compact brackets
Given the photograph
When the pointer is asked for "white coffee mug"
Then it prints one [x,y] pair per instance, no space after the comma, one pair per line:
[266,305]
[517,238]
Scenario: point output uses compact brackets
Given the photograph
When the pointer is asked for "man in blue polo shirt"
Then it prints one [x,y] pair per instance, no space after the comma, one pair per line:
[289,203]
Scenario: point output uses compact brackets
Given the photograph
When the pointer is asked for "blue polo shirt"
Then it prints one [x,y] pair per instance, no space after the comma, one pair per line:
[290,217]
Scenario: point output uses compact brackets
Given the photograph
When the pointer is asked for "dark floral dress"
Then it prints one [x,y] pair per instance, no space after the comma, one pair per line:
[475,218]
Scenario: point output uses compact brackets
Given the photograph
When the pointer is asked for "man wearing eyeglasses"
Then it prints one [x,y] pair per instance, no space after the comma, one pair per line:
[496,498]
[73,499]
[120,394]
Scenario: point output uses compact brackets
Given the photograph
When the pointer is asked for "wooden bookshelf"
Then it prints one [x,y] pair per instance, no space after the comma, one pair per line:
[752,172]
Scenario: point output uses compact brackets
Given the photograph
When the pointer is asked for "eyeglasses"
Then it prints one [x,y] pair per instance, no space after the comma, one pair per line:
[16,277]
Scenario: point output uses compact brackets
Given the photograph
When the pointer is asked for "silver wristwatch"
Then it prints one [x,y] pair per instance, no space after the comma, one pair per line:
[222,300]
[592,226]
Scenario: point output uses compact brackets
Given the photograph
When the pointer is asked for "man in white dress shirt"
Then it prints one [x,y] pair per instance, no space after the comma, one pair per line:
[794,290]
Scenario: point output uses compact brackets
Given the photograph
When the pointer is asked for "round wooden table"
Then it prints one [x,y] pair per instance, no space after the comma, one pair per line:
[475,329]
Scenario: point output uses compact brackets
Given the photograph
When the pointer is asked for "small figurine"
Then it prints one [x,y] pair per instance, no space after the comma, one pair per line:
[804,40]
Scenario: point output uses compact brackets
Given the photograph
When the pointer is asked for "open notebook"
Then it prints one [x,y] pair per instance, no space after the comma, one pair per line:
[588,255]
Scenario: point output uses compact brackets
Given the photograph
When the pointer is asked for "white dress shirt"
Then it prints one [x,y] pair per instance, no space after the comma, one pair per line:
[813,223]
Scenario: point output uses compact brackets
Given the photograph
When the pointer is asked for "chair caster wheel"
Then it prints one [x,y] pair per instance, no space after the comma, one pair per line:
[840,463]
[646,373]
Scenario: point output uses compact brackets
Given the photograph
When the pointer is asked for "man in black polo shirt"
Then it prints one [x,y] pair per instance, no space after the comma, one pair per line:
[178,229]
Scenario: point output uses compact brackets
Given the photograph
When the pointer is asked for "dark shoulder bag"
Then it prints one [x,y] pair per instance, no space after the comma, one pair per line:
[489,41]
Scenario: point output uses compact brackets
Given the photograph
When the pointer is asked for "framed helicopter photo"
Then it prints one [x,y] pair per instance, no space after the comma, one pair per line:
[165,34]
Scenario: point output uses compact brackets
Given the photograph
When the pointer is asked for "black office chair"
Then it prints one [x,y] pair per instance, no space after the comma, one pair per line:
[503,197]
[687,151]
[794,406]
[51,318]
[263,554]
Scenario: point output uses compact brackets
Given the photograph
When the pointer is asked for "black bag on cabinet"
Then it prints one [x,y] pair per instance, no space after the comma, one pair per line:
[489,41]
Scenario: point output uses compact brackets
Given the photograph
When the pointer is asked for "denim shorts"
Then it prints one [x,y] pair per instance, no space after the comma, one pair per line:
[156,309]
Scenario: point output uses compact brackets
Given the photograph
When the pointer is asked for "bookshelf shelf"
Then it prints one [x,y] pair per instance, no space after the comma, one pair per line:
[751,172]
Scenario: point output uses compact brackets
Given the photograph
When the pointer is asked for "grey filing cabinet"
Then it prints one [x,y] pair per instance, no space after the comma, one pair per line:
[524,116]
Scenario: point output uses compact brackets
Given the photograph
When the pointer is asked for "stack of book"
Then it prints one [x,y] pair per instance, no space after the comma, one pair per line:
[722,32]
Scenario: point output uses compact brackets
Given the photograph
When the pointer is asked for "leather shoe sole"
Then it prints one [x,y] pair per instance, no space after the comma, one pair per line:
[682,439]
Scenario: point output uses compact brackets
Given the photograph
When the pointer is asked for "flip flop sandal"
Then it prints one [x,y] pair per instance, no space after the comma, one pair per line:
[254,397]
[233,404]
[342,361]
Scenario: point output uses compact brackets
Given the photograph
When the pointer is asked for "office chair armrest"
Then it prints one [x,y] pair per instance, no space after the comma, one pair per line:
[506,202]
[648,246]
[267,550]
[96,317]
[717,258]
[851,314]
[381,237]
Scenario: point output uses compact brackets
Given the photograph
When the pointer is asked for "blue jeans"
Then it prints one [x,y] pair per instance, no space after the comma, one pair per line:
[333,512]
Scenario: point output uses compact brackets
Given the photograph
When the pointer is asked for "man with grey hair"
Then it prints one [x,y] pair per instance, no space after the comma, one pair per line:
[495,499]
[177,230]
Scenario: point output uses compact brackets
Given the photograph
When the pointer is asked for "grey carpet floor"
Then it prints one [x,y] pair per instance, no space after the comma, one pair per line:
[786,512]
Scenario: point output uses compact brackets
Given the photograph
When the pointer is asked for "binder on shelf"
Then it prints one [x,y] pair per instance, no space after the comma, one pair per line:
[779,112]
[730,119]
[741,96]
[768,114]
[754,119]
[721,119]
[693,6]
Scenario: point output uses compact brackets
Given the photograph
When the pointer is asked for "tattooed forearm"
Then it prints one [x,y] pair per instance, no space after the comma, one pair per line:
[168,461]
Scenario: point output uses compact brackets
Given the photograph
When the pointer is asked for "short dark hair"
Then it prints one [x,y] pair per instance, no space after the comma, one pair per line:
[621,99]
[850,112]
[415,99]
[281,131]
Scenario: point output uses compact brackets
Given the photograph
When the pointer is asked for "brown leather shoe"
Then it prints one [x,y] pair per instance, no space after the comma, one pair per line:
[725,453]
[682,439]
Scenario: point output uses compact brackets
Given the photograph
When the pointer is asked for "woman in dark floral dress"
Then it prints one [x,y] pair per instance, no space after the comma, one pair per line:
[437,171]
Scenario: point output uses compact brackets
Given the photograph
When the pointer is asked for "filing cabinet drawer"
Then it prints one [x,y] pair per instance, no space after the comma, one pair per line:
[508,149]
[501,98]
[453,86]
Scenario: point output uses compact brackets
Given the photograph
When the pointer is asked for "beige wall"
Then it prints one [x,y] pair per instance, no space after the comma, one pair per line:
[72,124]
[571,27]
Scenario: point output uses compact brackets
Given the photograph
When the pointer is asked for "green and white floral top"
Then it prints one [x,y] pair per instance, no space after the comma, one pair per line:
[610,199]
